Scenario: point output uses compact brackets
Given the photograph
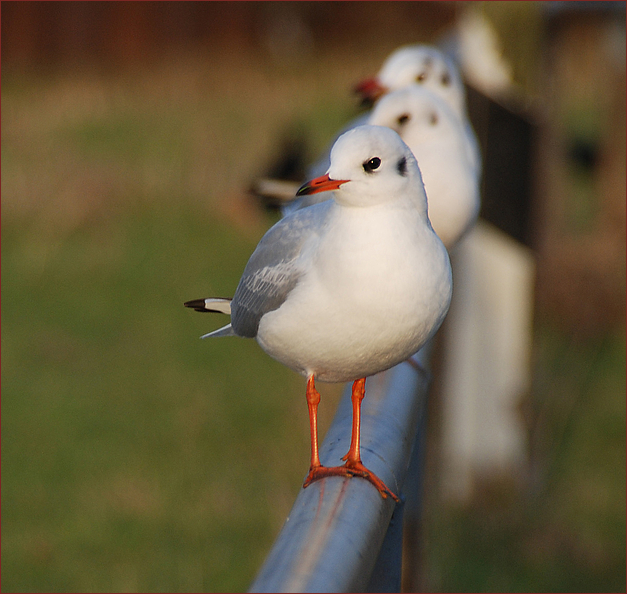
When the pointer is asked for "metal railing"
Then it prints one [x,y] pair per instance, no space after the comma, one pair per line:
[341,535]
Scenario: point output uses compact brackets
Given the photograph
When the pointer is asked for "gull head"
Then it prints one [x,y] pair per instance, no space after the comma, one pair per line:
[376,166]
[418,115]
[418,64]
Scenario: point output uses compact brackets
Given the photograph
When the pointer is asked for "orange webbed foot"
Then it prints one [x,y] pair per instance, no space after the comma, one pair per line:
[350,469]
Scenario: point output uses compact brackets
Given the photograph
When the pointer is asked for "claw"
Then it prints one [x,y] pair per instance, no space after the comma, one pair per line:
[350,469]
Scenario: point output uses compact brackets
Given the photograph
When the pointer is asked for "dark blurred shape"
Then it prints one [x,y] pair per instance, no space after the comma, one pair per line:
[506,137]
[280,178]
[579,213]
[584,154]
[291,159]
[561,7]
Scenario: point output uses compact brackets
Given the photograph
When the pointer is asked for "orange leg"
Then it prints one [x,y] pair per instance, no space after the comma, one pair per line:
[359,390]
[353,465]
[313,399]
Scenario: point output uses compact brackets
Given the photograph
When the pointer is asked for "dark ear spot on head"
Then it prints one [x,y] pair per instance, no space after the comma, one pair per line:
[401,166]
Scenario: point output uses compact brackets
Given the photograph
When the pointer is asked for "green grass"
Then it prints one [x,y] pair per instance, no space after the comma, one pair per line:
[131,449]
[137,457]
[562,527]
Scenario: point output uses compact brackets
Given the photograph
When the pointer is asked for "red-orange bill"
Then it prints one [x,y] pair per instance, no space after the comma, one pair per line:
[320,184]
[370,89]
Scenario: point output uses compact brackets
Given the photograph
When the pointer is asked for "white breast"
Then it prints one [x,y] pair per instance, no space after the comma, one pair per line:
[367,306]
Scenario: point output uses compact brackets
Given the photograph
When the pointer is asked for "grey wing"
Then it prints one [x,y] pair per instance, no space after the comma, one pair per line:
[275,267]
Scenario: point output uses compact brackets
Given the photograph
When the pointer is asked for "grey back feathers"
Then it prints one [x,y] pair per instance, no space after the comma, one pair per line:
[273,269]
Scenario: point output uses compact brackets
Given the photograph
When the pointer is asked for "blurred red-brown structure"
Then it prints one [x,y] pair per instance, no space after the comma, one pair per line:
[119,33]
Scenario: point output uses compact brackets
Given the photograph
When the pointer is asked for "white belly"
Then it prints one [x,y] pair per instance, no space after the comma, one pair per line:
[363,310]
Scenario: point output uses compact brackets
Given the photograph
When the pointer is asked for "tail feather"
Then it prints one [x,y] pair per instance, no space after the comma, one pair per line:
[224,331]
[212,304]
[217,305]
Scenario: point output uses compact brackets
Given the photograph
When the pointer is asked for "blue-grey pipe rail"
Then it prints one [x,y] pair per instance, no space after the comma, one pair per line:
[333,538]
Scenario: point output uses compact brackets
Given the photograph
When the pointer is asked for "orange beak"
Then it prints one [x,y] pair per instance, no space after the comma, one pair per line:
[370,89]
[320,184]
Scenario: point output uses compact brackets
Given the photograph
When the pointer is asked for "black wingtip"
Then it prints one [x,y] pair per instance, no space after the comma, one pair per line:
[197,304]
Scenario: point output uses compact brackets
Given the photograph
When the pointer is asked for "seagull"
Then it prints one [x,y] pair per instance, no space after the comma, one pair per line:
[435,135]
[348,287]
[417,64]
[429,67]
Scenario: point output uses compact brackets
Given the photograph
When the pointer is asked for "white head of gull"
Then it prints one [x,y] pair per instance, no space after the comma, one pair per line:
[349,287]
[424,65]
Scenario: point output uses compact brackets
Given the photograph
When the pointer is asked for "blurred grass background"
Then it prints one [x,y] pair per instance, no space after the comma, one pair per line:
[135,456]
[138,458]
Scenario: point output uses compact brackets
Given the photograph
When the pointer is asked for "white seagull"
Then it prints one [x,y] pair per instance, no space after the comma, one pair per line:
[436,137]
[348,287]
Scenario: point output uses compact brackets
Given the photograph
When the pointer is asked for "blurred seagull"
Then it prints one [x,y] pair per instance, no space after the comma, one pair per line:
[427,66]
[436,137]
[420,64]
[348,287]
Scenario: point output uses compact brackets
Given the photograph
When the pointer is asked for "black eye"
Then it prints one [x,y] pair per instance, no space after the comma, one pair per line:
[370,166]
[446,79]
[403,119]
[421,77]
[433,118]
